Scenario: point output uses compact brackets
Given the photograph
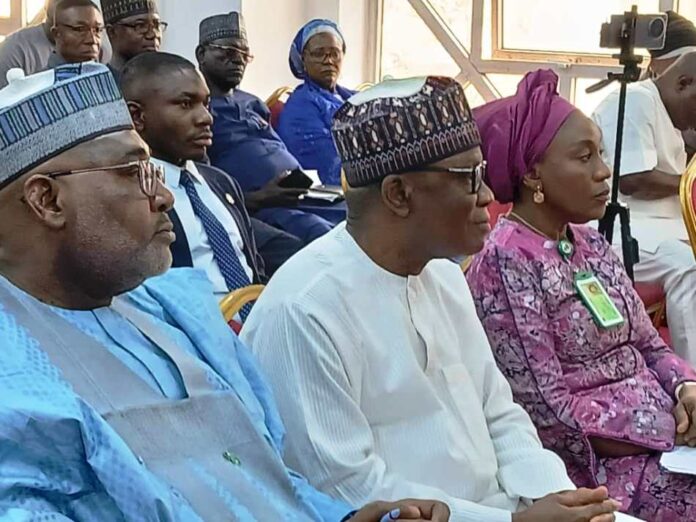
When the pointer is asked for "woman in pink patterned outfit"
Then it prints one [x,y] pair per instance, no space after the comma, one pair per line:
[608,399]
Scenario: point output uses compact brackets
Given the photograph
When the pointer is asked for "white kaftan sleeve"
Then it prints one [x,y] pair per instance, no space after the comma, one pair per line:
[331,441]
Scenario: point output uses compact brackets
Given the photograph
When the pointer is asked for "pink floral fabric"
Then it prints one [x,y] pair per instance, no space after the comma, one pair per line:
[577,380]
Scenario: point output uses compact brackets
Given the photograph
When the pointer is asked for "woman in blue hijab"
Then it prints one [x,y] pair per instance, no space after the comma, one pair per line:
[316,57]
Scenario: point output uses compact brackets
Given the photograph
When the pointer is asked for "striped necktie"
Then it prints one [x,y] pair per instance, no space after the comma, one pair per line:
[223,251]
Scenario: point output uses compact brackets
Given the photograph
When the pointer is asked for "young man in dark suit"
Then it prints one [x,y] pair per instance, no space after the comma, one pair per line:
[168,100]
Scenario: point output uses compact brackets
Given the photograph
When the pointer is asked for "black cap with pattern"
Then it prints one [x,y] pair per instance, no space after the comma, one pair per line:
[115,10]
[230,25]
[399,125]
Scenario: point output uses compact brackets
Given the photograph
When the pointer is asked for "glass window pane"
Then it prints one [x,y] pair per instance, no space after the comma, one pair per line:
[408,46]
[540,25]
[33,8]
[457,16]
[5,8]
[505,83]
[687,8]
[473,96]
[588,102]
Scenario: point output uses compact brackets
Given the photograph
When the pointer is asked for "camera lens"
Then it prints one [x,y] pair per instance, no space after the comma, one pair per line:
[656,27]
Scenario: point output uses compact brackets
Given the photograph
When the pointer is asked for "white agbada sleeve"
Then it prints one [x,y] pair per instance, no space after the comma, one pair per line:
[639,151]
[341,457]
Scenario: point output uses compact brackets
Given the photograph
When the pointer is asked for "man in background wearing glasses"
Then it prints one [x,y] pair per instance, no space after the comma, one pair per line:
[134,27]
[245,145]
[31,47]
[77,31]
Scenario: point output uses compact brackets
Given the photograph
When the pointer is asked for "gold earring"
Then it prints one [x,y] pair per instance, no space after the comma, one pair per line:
[538,195]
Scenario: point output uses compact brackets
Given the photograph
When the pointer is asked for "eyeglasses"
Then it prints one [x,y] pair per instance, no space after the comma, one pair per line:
[475,174]
[321,55]
[83,30]
[149,175]
[232,53]
[143,27]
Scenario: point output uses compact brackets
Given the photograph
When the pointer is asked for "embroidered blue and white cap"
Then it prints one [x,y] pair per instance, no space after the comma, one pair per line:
[45,114]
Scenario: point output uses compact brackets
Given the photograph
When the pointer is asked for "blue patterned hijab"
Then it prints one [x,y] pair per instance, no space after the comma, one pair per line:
[311,28]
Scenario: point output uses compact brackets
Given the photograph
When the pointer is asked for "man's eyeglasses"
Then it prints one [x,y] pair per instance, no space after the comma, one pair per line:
[149,175]
[233,53]
[84,30]
[143,27]
[321,55]
[475,174]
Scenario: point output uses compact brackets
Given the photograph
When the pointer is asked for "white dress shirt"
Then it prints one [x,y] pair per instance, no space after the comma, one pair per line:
[388,387]
[650,141]
[201,252]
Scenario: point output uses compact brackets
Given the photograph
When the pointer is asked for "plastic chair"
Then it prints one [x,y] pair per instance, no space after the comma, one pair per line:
[276,103]
[687,198]
[235,300]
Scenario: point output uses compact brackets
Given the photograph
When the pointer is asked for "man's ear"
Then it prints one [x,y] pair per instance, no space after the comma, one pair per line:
[110,30]
[200,54]
[137,115]
[54,32]
[685,81]
[42,196]
[396,195]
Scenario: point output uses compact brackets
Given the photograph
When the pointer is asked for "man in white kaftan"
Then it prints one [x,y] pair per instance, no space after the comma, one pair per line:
[381,368]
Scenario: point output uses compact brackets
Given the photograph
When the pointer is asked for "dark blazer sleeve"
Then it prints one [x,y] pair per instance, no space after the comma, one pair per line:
[230,193]
[181,252]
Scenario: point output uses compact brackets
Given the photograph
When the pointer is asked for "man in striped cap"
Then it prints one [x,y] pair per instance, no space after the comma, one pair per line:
[122,400]
[381,368]
[134,27]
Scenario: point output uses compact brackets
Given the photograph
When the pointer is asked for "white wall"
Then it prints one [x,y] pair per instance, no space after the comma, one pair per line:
[272,25]
[184,16]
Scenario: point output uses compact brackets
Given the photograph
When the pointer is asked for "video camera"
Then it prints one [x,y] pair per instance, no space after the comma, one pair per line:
[649,33]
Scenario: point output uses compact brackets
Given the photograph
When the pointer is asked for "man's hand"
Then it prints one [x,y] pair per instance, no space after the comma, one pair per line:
[684,416]
[273,195]
[583,505]
[410,509]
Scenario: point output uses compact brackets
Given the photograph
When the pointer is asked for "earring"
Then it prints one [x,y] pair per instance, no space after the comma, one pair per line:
[538,195]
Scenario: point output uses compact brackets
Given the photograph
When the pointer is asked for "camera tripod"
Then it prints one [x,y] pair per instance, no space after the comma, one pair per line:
[631,73]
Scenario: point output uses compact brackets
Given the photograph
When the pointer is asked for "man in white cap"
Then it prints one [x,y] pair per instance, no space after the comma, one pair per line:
[381,368]
[122,400]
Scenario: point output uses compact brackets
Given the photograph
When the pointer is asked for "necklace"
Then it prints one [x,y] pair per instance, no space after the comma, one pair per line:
[565,247]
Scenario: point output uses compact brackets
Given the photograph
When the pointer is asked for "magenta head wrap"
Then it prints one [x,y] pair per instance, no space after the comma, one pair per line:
[516,131]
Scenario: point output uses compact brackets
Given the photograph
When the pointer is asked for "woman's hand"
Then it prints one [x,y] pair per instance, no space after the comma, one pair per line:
[684,416]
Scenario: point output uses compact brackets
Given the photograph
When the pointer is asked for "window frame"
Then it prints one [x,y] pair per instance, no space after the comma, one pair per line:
[499,52]
[16,20]
[474,68]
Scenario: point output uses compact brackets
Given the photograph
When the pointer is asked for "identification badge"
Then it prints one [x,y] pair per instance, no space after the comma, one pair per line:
[595,297]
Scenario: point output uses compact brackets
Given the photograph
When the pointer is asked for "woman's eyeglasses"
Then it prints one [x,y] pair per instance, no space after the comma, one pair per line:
[320,55]
[233,53]
[150,176]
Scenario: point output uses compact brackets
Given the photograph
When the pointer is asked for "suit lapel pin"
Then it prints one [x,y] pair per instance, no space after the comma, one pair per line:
[229,198]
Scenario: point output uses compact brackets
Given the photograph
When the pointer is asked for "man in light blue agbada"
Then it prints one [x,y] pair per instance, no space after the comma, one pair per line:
[122,401]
